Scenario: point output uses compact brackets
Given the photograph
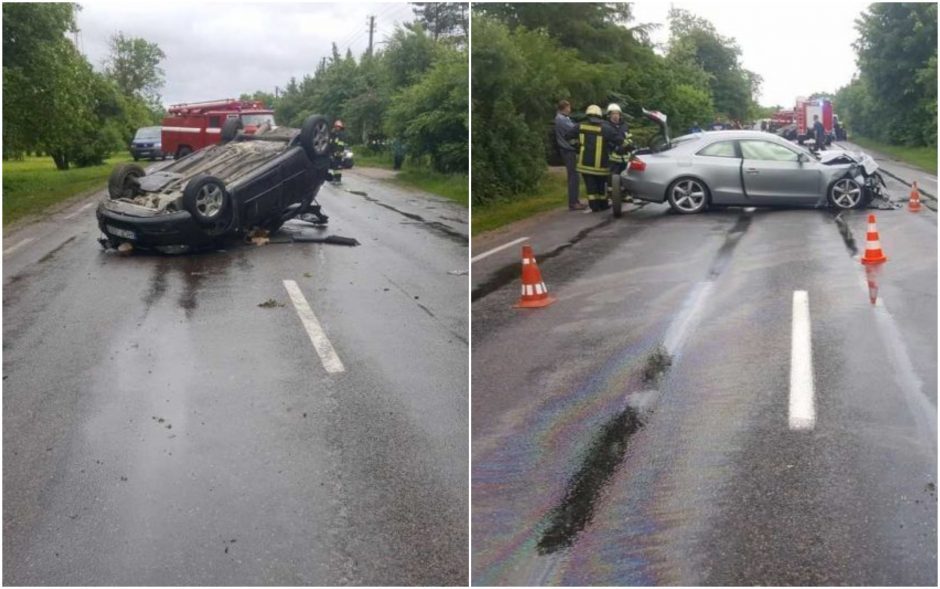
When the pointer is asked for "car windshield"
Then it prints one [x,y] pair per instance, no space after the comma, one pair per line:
[258,120]
[147,134]
[803,150]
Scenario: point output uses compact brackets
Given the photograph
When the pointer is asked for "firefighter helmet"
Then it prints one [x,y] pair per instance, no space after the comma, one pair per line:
[613,107]
[338,124]
[594,110]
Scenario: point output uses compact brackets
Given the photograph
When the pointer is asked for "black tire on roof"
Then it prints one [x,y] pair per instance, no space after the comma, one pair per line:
[315,137]
[123,181]
[231,128]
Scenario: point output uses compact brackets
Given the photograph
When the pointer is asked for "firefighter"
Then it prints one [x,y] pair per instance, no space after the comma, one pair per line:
[595,136]
[337,147]
[619,156]
[819,132]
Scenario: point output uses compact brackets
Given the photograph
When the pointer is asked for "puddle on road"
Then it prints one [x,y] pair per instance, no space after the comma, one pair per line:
[732,238]
[601,461]
[846,232]
[604,456]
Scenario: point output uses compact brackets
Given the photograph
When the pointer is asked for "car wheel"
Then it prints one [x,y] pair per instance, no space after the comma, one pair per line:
[687,196]
[123,182]
[230,129]
[206,199]
[846,193]
[183,152]
[616,195]
[315,137]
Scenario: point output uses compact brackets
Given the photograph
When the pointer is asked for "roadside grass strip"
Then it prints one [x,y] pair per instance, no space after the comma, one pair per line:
[328,356]
[802,395]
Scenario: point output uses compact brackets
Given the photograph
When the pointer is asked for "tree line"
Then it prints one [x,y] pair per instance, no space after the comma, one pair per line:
[56,104]
[893,97]
[526,57]
[413,90]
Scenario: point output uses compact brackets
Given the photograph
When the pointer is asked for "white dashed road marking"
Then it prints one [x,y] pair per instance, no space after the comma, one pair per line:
[497,249]
[321,343]
[13,248]
[79,211]
[802,396]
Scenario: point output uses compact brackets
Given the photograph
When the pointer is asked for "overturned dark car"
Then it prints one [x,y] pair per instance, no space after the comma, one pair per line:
[246,182]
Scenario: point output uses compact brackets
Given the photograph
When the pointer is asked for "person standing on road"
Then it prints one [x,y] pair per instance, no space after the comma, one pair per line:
[820,133]
[569,153]
[337,147]
[595,136]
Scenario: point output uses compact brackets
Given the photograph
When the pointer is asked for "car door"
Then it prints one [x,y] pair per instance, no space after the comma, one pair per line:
[775,175]
[719,165]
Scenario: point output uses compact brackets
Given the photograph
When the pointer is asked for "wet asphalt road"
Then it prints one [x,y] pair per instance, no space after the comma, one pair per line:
[160,428]
[636,432]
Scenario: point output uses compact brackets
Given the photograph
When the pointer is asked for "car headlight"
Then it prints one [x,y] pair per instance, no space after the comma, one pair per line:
[349,154]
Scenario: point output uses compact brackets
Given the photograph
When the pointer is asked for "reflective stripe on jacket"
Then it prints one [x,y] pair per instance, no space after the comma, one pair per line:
[593,155]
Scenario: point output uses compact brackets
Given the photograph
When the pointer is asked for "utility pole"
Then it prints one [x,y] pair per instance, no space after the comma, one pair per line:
[371,31]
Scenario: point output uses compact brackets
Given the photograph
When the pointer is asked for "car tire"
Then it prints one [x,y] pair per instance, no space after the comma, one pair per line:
[688,196]
[183,151]
[206,199]
[122,183]
[315,137]
[846,193]
[616,196]
[231,128]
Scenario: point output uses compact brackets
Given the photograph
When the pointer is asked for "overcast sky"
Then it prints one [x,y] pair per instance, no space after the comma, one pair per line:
[222,49]
[798,47]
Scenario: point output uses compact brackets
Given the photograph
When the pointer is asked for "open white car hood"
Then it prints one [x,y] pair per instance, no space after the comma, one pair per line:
[838,156]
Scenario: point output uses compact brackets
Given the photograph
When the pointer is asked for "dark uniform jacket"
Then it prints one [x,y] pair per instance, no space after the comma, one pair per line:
[595,137]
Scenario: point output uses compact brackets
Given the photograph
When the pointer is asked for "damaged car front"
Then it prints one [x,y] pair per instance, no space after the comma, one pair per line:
[248,181]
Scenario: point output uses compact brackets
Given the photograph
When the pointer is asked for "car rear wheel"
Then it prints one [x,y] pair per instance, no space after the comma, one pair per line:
[687,196]
[846,193]
[183,152]
[123,182]
[231,128]
[206,199]
[616,195]
[315,137]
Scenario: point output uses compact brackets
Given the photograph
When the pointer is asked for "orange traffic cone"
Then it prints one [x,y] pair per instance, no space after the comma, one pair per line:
[873,253]
[913,205]
[534,291]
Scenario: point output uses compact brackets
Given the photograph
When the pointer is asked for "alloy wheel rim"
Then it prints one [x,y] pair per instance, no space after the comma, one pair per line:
[688,195]
[321,138]
[209,200]
[846,193]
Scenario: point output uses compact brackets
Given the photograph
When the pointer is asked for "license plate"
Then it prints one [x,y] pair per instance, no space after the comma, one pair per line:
[121,232]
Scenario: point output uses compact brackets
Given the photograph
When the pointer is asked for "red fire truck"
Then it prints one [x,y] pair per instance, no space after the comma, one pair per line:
[805,109]
[191,126]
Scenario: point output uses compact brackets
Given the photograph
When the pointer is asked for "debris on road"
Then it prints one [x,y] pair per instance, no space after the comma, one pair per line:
[270,304]
[125,248]
[334,239]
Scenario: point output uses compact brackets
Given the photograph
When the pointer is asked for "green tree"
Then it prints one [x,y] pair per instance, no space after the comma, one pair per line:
[134,65]
[443,19]
[432,116]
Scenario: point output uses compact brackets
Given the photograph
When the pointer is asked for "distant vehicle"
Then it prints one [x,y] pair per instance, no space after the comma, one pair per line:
[260,180]
[745,168]
[192,126]
[147,143]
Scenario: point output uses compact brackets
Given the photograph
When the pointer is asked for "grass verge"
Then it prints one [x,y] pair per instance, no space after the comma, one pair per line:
[921,157]
[418,175]
[548,195]
[34,184]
